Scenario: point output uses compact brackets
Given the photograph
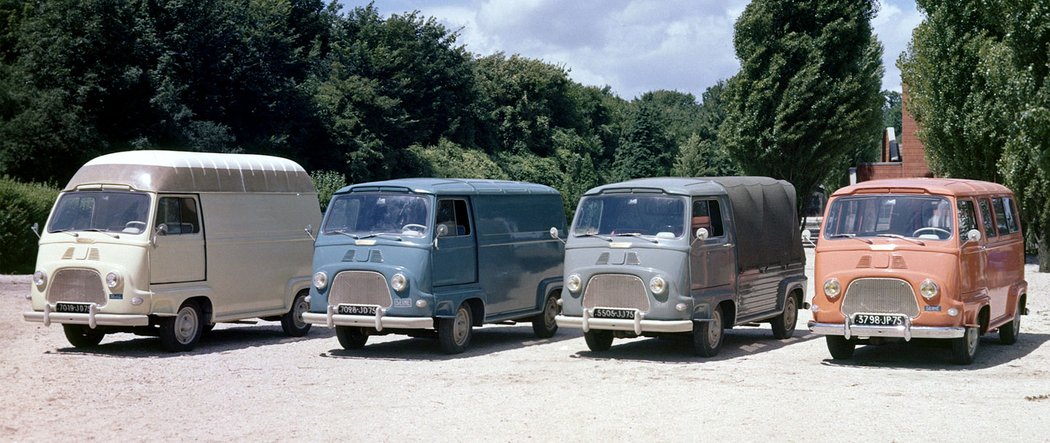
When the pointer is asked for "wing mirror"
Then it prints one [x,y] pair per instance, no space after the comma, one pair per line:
[36,229]
[807,237]
[973,235]
[702,234]
[442,230]
[161,230]
[310,231]
[554,234]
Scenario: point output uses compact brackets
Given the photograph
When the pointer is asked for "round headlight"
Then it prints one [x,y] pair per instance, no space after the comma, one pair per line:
[40,278]
[832,288]
[320,280]
[112,280]
[929,289]
[399,282]
[657,285]
[574,283]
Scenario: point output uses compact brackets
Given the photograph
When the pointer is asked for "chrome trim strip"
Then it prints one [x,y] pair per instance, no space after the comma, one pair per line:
[907,332]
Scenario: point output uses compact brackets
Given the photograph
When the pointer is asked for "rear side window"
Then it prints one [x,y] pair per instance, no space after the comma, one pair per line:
[1000,215]
[986,216]
[179,215]
[453,215]
[707,214]
[1008,219]
[1013,217]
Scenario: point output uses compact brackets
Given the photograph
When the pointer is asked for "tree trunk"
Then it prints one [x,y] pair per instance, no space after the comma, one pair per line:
[1044,253]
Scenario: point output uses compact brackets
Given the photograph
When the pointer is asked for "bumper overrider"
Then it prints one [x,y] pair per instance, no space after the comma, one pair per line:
[379,321]
[92,318]
[638,325]
[907,331]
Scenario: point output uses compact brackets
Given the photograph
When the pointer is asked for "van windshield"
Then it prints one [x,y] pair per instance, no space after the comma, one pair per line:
[909,216]
[361,215]
[631,214]
[101,211]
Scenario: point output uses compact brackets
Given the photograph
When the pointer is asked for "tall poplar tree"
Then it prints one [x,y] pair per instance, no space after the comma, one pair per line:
[807,94]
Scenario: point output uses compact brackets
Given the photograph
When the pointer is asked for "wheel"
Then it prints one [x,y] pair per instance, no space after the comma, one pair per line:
[81,336]
[707,335]
[840,347]
[1009,332]
[181,332]
[351,337]
[964,348]
[292,321]
[598,340]
[454,333]
[543,324]
[784,324]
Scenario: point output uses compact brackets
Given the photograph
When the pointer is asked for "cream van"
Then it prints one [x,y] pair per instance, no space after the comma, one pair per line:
[169,243]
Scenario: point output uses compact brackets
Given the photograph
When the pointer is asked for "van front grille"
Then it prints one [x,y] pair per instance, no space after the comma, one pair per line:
[76,285]
[880,296]
[616,291]
[360,288]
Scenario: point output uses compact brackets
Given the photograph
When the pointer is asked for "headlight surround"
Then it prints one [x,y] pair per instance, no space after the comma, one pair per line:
[113,280]
[832,288]
[40,278]
[658,285]
[320,280]
[398,282]
[574,283]
[929,289]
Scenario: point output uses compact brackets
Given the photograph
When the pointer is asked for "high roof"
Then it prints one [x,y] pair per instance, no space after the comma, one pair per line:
[941,186]
[449,186]
[175,171]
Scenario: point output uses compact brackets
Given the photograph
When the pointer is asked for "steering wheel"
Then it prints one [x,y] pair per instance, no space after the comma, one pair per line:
[937,231]
[413,226]
[135,224]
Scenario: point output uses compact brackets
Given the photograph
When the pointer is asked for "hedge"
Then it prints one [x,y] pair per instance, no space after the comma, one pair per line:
[21,205]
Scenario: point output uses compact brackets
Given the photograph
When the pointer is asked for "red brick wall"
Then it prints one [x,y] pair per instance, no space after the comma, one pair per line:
[913,153]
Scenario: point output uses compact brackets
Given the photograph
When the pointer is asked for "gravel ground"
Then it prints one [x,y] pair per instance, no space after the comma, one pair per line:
[250,382]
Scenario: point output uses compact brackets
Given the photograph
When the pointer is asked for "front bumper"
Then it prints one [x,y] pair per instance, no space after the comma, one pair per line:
[378,321]
[638,325]
[93,318]
[906,331]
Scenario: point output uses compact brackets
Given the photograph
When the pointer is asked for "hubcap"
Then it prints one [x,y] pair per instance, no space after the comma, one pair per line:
[790,314]
[300,307]
[461,327]
[971,339]
[551,312]
[186,325]
[714,332]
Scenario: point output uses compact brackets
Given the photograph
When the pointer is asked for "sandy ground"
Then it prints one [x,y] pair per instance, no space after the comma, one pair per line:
[250,382]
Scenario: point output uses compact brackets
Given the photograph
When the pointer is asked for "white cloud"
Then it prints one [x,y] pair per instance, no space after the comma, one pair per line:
[893,26]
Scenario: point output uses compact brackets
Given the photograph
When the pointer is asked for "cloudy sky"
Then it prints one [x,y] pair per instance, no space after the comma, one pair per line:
[633,46]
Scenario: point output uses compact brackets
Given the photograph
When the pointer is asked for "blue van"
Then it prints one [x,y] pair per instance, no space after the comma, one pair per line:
[431,256]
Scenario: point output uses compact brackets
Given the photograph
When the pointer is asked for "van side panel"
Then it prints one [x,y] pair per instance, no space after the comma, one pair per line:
[760,292]
[515,250]
[255,241]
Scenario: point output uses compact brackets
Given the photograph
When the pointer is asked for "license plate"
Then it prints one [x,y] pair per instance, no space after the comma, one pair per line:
[622,314]
[357,309]
[878,320]
[76,308]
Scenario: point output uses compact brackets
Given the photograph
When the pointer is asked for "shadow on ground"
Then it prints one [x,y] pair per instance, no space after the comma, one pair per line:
[737,342]
[225,338]
[935,355]
[486,340]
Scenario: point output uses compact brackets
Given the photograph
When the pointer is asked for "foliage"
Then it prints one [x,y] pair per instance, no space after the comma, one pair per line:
[644,149]
[450,160]
[24,204]
[891,112]
[326,183]
[806,98]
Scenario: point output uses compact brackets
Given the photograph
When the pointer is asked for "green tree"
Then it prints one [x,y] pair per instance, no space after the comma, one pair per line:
[891,112]
[807,93]
[644,149]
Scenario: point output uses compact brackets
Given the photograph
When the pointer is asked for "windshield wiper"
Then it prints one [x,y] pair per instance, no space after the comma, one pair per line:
[592,234]
[634,234]
[853,236]
[104,231]
[65,231]
[362,237]
[901,237]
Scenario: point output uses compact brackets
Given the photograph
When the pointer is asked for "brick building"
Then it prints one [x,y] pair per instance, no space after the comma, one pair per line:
[903,158]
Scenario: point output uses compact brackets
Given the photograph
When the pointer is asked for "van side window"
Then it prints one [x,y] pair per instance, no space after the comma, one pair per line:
[1012,215]
[453,215]
[1003,216]
[967,218]
[179,214]
[706,214]
[986,214]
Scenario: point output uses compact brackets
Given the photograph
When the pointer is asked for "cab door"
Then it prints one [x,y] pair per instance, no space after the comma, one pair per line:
[455,260]
[973,255]
[178,255]
[712,263]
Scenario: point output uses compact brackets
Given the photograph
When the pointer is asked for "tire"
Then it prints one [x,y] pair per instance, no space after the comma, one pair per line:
[544,324]
[1009,332]
[840,348]
[598,340]
[708,335]
[81,336]
[965,348]
[292,322]
[454,333]
[181,332]
[784,324]
[351,337]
